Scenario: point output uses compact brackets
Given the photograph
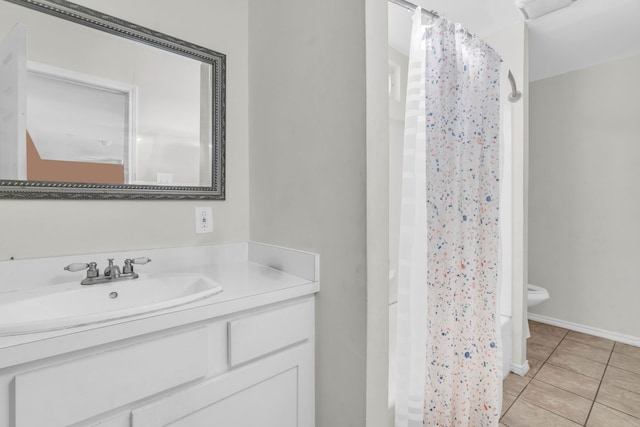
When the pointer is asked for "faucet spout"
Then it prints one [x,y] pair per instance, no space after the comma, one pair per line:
[112,271]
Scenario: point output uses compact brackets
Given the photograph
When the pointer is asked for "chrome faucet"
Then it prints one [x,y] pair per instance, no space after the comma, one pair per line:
[112,272]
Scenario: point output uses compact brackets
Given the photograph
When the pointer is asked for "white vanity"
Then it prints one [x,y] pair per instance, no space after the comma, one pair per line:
[243,357]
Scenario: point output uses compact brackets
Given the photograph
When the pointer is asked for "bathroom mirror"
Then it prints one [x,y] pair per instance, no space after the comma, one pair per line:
[94,107]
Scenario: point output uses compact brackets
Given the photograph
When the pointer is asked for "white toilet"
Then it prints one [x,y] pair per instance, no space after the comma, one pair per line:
[535,295]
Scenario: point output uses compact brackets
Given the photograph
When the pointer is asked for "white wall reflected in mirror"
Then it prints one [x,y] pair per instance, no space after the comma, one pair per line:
[97,98]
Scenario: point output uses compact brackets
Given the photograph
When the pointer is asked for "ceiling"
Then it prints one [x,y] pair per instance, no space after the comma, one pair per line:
[587,33]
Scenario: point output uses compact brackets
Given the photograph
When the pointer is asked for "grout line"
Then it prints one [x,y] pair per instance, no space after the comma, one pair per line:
[551,412]
[531,379]
[514,400]
[618,410]
[626,370]
[553,351]
[534,376]
[623,354]
[593,403]
[622,369]
[567,391]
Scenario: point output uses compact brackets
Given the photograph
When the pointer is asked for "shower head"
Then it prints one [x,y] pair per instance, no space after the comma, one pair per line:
[532,9]
[515,94]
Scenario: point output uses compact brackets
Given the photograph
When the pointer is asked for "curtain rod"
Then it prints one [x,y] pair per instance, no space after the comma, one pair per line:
[515,94]
[412,7]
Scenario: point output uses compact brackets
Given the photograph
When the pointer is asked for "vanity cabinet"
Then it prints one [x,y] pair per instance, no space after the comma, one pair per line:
[250,368]
[269,381]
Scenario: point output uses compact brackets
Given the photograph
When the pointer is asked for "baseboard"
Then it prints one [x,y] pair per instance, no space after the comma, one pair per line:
[520,369]
[602,333]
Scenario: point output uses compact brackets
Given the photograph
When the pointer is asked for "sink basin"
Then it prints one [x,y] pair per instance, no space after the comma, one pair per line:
[71,304]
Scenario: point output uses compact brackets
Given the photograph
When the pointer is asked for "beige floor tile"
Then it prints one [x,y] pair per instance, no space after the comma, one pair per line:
[538,328]
[623,379]
[507,401]
[534,367]
[627,350]
[590,340]
[590,352]
[577,364]
[514,384]
[570,381]
[618,398]
[558,401]
[547,340]
[602,416]
[627,363]
[525,414]
[537,351]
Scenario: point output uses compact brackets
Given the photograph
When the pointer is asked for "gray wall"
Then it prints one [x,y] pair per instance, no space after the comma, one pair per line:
[584,233]
[307,181]
[48,228]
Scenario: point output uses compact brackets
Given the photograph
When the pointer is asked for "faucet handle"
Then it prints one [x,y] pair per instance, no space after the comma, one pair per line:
[128,267]
[77,266]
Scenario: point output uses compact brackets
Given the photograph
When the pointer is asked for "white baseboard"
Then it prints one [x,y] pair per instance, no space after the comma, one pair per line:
[520,369]
[615,336]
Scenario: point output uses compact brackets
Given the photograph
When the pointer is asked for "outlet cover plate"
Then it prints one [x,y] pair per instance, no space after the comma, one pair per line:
[204,222]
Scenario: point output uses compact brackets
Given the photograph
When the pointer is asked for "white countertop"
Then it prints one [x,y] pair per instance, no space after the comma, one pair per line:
[247,284]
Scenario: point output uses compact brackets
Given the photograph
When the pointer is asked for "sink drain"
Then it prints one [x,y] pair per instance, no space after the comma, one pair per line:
[113,295]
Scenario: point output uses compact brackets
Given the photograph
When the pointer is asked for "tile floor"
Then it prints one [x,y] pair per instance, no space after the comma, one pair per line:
[575,380]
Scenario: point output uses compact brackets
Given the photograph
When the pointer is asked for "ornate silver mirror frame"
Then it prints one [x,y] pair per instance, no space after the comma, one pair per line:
[23,189]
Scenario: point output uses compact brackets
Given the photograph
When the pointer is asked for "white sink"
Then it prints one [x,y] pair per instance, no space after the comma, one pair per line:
[71,304]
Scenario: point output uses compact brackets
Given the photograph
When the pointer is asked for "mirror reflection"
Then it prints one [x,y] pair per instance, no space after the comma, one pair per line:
[83,105]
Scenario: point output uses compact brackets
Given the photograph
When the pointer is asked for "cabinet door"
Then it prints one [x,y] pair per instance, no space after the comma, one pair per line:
[271,403]
[276,391]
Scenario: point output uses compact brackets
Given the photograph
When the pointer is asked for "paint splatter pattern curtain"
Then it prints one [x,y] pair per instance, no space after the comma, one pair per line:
[462,167]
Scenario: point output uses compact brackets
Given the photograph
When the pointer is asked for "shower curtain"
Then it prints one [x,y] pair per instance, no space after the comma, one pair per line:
[447,349]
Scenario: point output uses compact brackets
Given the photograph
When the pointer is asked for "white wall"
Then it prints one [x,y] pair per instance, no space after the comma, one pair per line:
[512,45]
[585,198]
[400,63]
[46,228]
[307,157]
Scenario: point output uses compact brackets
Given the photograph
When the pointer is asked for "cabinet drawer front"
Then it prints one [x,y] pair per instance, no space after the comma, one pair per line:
[266,332]
[63,394]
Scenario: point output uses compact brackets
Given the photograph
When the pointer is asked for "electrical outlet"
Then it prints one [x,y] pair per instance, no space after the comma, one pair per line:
[203,220]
